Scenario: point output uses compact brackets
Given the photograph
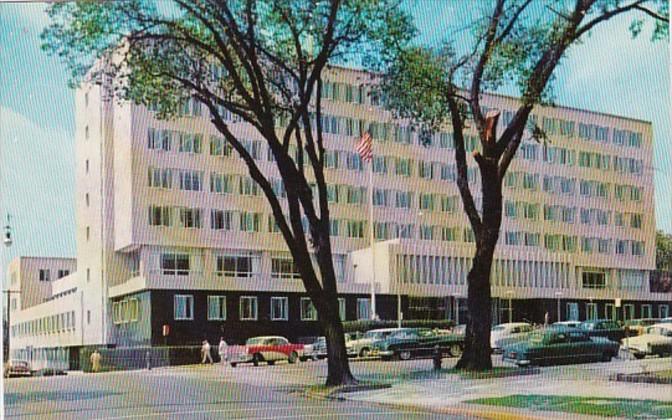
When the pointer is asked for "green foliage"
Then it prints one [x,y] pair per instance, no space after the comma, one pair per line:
[161,53]
[663,251]
[366,325]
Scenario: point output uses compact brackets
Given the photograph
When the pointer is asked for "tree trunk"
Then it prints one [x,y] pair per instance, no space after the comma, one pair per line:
[338,366]
[477,351]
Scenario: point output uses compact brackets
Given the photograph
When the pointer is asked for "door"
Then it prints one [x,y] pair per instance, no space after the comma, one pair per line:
[572,311]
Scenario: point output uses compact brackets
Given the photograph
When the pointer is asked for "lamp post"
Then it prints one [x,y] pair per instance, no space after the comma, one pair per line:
[557,296]
[7,240]
[509,293]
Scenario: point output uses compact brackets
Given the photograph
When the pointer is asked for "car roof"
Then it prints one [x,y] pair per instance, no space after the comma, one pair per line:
[266,337]
[512,324]
[388,329]
[665,325]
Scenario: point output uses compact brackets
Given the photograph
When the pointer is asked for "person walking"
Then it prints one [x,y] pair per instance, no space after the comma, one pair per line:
[205,350]
[95,361]
[223,351]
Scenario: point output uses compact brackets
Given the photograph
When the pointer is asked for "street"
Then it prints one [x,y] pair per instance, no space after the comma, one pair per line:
[215,391]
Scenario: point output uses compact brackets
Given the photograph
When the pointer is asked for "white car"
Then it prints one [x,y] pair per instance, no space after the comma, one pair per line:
[656,341]
[363,346]
[508,333]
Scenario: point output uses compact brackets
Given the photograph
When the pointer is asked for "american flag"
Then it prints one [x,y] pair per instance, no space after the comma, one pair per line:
[365,146]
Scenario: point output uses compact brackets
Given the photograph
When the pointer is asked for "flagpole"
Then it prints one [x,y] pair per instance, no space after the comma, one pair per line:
[371,243]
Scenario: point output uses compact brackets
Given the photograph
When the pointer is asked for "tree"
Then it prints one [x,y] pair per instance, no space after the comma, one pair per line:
[261,61]
[663,251]
[513,44]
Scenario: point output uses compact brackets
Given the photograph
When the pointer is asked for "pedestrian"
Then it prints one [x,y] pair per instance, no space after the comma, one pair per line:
[95,361]
[223,351]
[205,350]
[546,317]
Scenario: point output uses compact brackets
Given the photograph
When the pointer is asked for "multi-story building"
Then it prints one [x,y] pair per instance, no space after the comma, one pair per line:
[175,242]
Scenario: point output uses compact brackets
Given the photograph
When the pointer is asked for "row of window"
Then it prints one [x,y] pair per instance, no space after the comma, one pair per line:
[248,308]
[556,126]
[46,325]
[44,274]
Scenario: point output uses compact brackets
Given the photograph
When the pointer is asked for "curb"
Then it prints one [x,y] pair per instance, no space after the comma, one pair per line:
[337,393]
[645,378]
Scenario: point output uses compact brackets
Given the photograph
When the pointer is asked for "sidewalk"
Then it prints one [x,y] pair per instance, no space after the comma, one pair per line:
[449,393]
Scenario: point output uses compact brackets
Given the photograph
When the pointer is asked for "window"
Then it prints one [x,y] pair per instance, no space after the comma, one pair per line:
[88,317]
[363,308]
[175,264]
[279,308]
[133,309]
[220,219]
[646,311]
[189,218]
[628,311]
[44,275]
[341,309]
[86,199]
[190,143]
[241,266]
[404,199]
[250,222]
[248,308]
[184,307]
[594,280]
[308,311]
[610,311]
[160,178]
[62,273]
[88,274]
[86,164]
[217,308]
[663,311]
[284,268]
[191,180]
[591,311]
[88,233]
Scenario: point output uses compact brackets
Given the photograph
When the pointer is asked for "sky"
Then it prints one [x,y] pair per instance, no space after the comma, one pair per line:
[609,72]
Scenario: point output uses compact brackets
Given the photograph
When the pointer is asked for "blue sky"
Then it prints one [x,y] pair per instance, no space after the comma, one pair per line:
[609,73]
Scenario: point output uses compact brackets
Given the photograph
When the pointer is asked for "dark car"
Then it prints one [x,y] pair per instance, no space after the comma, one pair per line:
[555,346]
[410,343]
[603,328]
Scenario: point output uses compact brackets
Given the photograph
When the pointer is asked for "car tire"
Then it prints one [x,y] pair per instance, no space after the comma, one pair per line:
[233,365]
[364,352]
[455,350]
[256,359]
[405,355]
[606,357]
[271,362]
[639,356]
[292,357]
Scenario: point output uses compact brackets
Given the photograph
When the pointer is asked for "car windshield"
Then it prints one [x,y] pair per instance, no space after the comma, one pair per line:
[373,334]
[537,337]
[254,341]
[498,328]
[587,326]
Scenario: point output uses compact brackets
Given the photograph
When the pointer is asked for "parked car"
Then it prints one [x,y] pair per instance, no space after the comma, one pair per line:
[269,349]
[656,341]
[350,348]
[509,333]
[17,368]
[460,329]
[570,324]
[315,350]
[552,346]
[362,346]
[667,320]
[635,327]
[409,343]
[603,328]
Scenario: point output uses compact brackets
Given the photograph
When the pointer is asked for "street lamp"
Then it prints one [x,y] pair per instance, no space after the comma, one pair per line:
[509,293]
[7,239]
[557,296]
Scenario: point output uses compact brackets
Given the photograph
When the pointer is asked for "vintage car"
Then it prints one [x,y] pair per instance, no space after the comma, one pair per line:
[554,346]
[269,349]
[656,341]
[635,327]
[570,324]
[315,350]
[509,333]
[17,368]
[408,343]
[362,346]
[603,328]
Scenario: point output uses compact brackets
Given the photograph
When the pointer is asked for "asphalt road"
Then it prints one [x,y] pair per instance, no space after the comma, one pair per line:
[193,392]
[264,392]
